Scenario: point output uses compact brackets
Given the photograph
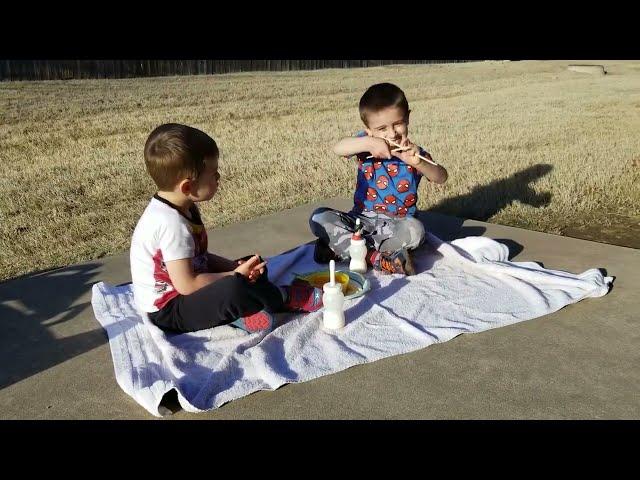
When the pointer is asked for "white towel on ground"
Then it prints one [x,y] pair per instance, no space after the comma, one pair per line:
[467,285]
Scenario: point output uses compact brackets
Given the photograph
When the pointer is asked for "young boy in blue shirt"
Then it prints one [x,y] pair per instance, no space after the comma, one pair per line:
[387,187]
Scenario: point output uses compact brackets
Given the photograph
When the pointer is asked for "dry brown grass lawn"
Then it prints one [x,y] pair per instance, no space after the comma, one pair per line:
[528,144]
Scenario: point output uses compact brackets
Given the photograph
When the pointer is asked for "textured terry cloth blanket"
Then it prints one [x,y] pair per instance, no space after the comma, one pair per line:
[464,286]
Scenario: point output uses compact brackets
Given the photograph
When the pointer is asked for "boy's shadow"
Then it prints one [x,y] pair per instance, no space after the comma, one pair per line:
[484,201]
[446,218]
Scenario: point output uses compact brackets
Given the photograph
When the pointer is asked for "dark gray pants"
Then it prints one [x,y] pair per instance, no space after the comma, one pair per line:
[219,303]
[380,231]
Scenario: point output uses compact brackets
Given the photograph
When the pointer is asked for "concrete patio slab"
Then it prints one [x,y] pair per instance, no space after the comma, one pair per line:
[581,362]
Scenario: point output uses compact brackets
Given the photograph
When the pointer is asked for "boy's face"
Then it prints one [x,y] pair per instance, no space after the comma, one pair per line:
[206,186]
[390,122]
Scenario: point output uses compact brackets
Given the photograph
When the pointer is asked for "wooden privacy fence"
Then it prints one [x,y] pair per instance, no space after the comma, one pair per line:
[78,69]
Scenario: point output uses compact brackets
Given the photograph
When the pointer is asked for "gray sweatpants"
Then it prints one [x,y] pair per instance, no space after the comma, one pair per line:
[380,231]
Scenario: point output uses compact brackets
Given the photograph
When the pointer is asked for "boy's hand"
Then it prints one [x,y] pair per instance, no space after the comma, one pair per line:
[378,148]
[409,156]
[251,268]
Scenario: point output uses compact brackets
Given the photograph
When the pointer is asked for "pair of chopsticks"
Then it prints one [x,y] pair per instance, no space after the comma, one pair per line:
[400,148]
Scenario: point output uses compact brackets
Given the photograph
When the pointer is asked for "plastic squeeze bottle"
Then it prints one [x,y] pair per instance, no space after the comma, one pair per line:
[333,301]
[358,251]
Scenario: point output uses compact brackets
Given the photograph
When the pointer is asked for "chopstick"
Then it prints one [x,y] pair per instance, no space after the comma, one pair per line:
[401,148]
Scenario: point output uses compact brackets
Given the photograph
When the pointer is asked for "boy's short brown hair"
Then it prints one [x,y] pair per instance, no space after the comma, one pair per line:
[174,152]
[382,95]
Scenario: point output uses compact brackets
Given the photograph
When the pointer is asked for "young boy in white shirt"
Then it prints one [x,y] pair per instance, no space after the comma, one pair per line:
[176,281]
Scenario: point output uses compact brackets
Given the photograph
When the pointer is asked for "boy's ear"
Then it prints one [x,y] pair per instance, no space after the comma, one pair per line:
[408,113]
[185,186]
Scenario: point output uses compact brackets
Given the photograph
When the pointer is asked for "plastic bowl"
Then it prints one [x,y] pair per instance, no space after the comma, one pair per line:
[318,279]
[353,284]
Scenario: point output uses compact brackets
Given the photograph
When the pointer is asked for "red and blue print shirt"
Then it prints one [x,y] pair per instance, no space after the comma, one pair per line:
[386,186]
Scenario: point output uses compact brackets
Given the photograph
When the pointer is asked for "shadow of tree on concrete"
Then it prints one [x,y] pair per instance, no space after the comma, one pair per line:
[29,306]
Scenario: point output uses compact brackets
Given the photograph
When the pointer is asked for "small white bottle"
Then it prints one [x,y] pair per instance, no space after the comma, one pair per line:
[333,301]
[358,251]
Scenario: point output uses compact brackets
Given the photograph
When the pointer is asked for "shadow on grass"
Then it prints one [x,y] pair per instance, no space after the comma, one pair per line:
[484,201]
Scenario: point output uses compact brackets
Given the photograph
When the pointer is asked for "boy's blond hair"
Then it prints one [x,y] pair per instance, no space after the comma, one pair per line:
[174,152]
